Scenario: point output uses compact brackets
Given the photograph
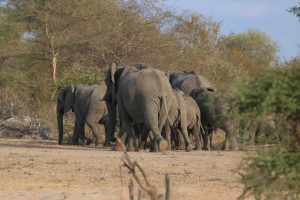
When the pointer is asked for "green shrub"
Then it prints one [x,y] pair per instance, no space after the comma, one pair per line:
[274,172]
[78,75]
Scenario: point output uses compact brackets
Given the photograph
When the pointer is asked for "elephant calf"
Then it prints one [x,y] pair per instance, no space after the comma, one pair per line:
[89,107]
[194,125]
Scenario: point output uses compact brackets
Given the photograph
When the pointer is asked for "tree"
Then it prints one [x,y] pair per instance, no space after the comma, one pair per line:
[295,10]
[253,51]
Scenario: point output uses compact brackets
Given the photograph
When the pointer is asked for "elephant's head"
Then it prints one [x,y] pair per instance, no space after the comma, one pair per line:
[65,100]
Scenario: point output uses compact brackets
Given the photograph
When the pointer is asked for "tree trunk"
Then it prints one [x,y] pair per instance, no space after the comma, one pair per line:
[54,65]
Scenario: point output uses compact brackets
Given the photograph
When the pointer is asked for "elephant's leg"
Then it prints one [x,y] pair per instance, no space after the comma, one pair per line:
[144,137]
[230,141]
[153,143]
[195,133]
[205,138]
[210,134]
[80,134]
[128,126]
[92,120]
[95,131]
[132,146]
[121,137]
[187,140]
[75,137]
[156,127]
[167,130]
[191,137]
[180,137]
[107,138]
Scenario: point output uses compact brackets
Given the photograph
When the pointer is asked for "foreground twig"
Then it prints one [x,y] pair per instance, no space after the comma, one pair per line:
[142,180]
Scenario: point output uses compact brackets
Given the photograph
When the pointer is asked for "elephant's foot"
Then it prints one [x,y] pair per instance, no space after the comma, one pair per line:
[205,149]
[197,147]
[154,148]
[106,144]
[181,147]
[162,145]
[227,148]
[188,148]
[88,141]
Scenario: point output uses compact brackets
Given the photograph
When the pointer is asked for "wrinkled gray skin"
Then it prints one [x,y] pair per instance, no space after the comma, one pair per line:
[213,117]
[194,125]
[143,96]
[178,119]
[187,81]
[89,107]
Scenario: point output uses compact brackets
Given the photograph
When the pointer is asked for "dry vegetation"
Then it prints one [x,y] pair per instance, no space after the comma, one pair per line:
[45,45]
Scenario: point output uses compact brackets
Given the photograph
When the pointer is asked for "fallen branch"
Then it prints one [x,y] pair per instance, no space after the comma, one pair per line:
[142,180]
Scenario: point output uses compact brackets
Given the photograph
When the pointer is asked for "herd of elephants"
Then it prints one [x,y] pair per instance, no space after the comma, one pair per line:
[151,108]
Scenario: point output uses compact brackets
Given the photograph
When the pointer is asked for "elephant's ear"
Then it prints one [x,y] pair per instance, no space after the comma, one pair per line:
[113,69]
[73,89]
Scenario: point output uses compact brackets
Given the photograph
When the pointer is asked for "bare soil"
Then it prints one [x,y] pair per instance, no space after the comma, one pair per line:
[43,170]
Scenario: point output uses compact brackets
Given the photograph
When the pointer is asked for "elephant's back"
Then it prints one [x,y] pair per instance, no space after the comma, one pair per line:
[145,81]
[186,82]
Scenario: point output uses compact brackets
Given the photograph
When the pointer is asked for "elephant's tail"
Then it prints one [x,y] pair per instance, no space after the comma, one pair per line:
[164,102]
[199,124]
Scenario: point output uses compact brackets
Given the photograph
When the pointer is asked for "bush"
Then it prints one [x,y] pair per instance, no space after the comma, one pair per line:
[273,173]
[79,75]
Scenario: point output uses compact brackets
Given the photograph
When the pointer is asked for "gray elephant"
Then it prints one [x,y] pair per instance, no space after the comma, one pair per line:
[143,95]
[180,121]
[186,81]
[89,107]
[263,128]
[213,116]
[194,125]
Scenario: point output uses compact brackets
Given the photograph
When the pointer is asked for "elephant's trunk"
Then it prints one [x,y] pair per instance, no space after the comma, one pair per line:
[60,124]
[112,119]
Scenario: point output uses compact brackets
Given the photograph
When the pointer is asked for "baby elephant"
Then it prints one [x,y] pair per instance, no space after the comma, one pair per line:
[194,125]
[89,107]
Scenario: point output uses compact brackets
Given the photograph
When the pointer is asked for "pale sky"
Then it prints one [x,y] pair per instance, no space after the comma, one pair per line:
[269,16]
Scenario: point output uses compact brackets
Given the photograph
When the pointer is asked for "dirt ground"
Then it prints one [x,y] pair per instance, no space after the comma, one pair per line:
[42,170]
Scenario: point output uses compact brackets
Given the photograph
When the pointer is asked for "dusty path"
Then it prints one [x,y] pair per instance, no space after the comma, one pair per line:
[46,171]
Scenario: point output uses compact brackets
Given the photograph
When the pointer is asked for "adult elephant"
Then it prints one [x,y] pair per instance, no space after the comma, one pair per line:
[186,81]
[89,107]
[213,116]
[143,95]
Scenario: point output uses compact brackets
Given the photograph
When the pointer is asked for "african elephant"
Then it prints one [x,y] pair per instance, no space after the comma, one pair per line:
[142,95]
[177,120]
[186,81]
[194,125]
[260,127]
[213,116]
[89,107]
